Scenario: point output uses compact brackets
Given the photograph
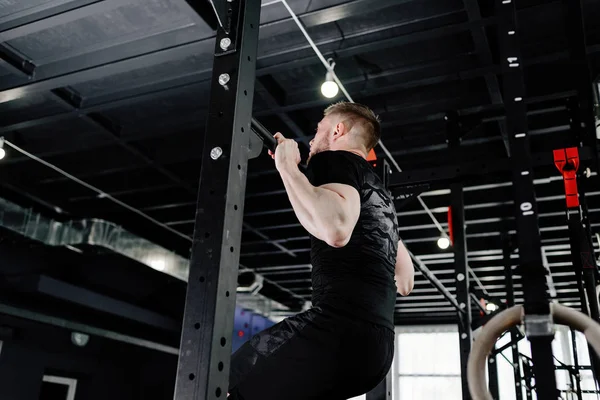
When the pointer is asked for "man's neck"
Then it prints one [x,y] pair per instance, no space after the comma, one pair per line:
[358,153]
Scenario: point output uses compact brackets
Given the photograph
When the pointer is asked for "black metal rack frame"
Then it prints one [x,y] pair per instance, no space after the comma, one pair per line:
[208,320]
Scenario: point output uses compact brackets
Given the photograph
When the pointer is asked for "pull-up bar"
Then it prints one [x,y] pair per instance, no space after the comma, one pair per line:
[263,133]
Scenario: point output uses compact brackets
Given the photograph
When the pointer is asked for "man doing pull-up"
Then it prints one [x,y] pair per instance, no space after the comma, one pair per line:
[344,345]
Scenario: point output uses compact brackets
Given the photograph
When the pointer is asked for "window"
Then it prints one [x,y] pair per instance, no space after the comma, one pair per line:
[427,363]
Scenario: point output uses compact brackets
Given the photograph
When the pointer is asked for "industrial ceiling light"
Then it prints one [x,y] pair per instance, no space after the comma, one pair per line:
[443,242]
[80,339]
[2,151]
[330,88]
[158,264]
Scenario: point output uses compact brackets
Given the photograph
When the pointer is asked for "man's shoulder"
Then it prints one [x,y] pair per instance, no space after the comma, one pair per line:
[341,156]
[336,166]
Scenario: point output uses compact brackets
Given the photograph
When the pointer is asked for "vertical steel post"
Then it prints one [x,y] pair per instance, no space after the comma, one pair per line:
[582,250]
[576,365]
[205,350]
[493,376]
[460,258]
[538,320]
[529,380]
[584,130]
[462,282]
[510,301]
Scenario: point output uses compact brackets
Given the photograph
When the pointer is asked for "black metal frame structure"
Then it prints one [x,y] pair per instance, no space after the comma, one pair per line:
[582,250]
[507,250]
[54,93]
[461,269]
[538,320]
[203,369]
[205,349]
[100,65]
[576,363]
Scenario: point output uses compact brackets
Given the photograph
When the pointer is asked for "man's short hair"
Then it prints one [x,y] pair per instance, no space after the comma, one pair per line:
[358,116]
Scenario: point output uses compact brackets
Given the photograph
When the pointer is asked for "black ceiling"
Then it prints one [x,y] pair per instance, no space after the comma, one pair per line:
[116,94]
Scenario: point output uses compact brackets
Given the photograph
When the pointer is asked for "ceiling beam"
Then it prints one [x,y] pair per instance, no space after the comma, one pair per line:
[203,46]
[449,173]
[179,84]
[195,120]
[201,10]
[265,87]
[15,63]
[184,85]
[483,48]
[45,10]
[409,78]
[161,37]
[327,15]
[60,15]
[113,133]
[103,71]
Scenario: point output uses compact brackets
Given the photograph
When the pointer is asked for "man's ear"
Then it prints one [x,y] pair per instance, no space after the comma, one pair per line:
[339,130]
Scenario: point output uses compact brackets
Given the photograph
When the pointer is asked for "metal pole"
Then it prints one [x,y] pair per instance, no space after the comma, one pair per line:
[268,140]
[493,376]
[510,301]
[462,282]
[204,357]
[538,320]
[576,364]
[528,380]
[460,259]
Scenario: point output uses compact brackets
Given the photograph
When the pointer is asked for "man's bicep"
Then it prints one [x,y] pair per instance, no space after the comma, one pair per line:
[345,192]
[347,198]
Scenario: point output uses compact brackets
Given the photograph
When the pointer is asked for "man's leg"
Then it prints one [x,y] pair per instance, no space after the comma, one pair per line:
[295,359]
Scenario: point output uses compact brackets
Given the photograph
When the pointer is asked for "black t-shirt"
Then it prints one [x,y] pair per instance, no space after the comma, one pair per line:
[357,279]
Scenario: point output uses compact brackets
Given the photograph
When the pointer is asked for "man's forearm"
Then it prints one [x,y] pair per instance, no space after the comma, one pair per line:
[314,207]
